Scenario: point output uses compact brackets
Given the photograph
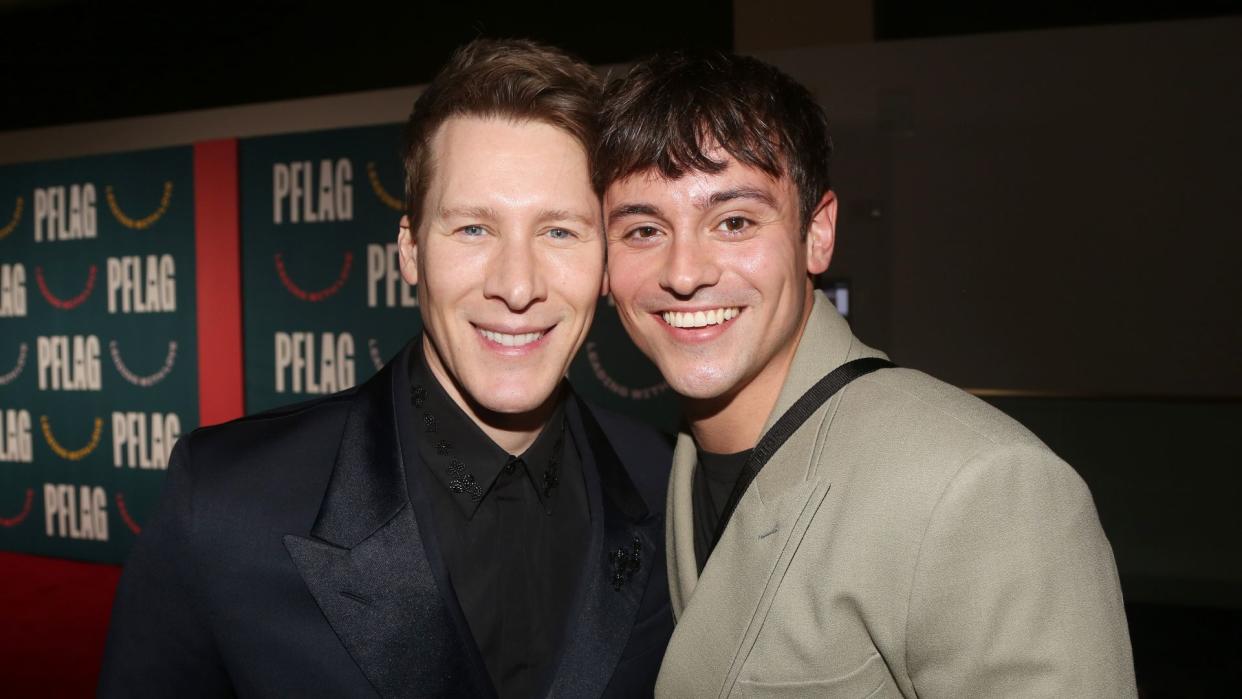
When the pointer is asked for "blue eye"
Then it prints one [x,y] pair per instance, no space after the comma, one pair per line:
[472,231]
[560,234]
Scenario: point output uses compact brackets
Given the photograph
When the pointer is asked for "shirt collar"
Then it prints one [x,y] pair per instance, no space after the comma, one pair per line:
[464,459]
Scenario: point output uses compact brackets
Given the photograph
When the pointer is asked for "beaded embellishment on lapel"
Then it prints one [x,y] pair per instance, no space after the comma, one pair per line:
[625,563]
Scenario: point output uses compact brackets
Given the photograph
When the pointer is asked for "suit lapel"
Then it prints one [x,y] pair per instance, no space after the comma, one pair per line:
[624,538]
[721,612]
[372,573]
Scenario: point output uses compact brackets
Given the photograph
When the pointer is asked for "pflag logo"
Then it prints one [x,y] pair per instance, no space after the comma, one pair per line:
[615,386]
[377,358]
[27,506]
[380,192]
[170,359]
[125,516]
[71,454]
[329,291]
[16,218]
[144,222]
[74,301]
[11,375]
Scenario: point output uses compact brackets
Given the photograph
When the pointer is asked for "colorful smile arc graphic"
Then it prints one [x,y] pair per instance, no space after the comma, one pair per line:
[75,454]
[380,193]
[16,371]
[125,517]
[617,387]
[150,379]
[314,296]
[376,358]
[66,304]
[16,519]
[15,219]
[146,221]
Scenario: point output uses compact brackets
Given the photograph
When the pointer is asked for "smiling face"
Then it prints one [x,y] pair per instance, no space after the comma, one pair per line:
[710,276]
[508,260]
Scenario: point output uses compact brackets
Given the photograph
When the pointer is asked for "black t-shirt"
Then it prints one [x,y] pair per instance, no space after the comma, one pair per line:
[713,483]
[513,531]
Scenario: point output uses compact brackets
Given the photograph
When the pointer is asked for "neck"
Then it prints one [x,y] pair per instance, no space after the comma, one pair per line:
[513,432]
[734,421]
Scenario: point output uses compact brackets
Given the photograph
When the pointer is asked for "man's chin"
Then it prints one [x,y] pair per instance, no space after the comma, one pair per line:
[697,387]
[512,400]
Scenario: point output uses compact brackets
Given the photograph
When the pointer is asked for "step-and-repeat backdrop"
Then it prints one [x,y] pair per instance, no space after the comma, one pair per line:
[98,365]
[324,303]
[99,370]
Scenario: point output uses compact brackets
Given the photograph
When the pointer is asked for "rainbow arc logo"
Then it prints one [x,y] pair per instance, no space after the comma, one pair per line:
[145,222]
[71,454]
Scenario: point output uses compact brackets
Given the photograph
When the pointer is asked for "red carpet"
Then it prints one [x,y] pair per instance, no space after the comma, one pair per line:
[55,616]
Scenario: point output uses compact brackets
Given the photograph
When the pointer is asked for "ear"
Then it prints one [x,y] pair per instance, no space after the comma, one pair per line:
[821,234]
[407,250]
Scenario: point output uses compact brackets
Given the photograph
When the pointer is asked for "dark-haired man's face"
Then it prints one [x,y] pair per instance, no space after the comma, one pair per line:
[710,274]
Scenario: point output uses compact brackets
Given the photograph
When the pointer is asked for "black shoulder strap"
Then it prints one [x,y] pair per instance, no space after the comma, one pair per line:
[789,423]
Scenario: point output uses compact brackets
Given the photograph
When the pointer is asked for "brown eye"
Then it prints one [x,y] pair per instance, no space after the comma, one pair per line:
[734,224]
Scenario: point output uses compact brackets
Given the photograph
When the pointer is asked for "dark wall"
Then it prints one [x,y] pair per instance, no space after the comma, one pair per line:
[1055,214]
[76,60]
[1046,211]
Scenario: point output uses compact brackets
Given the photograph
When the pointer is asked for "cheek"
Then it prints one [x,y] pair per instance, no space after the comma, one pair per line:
[626,274]
[765,266]
[447,278]
[577,276]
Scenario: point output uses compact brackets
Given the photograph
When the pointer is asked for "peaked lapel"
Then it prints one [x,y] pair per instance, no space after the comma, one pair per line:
[371,571]
[624,542]
[721,612]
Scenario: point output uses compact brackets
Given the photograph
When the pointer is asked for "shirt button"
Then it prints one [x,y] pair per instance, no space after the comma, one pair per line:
[511,464]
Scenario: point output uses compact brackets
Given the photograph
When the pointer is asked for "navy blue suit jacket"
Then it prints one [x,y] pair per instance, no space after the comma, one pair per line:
[287,559]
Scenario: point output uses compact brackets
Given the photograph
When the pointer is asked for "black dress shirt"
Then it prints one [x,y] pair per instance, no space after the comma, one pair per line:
[713,483]
[513,531]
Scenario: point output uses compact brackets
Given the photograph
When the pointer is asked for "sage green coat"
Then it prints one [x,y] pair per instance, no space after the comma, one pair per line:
[908,540]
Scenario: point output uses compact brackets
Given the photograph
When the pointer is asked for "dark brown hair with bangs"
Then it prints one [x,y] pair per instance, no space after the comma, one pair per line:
[512,79]
[669,108]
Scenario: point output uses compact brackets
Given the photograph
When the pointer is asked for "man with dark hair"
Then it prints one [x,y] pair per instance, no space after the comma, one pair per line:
[461,524]
[837,526]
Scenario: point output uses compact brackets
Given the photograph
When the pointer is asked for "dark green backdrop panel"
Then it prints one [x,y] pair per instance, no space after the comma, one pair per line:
[98,362]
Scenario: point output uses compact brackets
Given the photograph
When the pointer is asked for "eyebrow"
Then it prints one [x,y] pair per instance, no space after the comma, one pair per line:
[740,193]
[715,199]
[566,215]
[487,213]
[477,212]
[623,210]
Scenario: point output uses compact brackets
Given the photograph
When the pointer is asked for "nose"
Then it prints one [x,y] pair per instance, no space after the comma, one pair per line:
[689,266]
[514,275]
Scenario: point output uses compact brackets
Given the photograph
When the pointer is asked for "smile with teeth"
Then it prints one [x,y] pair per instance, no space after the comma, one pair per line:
[519,340]
[699,319]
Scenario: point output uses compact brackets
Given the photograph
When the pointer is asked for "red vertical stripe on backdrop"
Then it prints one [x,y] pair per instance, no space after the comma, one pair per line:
[217,245]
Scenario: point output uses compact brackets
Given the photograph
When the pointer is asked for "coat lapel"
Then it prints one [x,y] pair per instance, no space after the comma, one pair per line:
[721,612]
[624,538]
[370,570]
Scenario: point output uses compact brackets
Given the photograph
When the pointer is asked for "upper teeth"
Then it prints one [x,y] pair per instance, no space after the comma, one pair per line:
[699,319]
[510,340]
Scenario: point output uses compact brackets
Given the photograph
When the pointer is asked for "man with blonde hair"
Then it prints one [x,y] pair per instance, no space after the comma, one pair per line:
[462,524]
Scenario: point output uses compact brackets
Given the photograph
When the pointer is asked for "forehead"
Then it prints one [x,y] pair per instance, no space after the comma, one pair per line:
[699,189]
[482,155]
